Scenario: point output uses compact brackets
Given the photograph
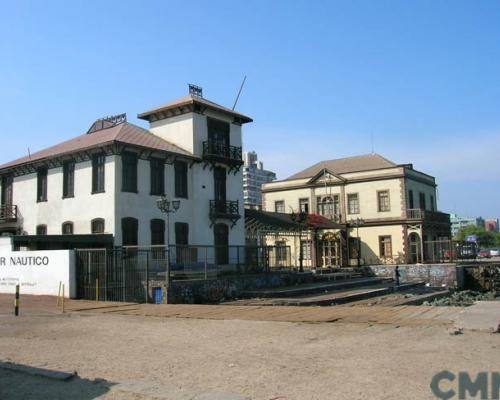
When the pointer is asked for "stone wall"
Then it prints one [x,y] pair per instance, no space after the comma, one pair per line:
[213,291]
[437,275]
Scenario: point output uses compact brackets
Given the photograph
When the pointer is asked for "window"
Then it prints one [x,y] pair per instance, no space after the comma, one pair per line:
[279,206]
[157,168]
[41,230]
[98,170]
[7,184]
[41,188]
[383,201]
[433,206]
[68,179]
[385,246]
[181,234]
[129,172]
[281,251]
[129,231]
[67,228]
[354,247]
[218,132]
[410,199]
[97,225]
[304,205]
[181,184]
[221,241]
[353,203]
[421,197]
[306,249]
[328,206]
[157,232]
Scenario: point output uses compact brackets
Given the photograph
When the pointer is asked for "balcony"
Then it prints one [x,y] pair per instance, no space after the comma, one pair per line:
[224,209]
[417,214]
[8,213]
[219,152]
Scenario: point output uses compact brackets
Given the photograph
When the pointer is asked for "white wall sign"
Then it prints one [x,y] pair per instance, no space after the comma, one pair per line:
[38,272]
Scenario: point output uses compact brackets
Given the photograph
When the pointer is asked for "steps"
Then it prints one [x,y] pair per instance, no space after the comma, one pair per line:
[313,288]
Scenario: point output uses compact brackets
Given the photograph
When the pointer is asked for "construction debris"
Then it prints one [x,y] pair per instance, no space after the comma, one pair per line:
[464,298]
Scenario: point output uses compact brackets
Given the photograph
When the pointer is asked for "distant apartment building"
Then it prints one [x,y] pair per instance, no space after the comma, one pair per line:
[254,175]
[491,225]
[458,223]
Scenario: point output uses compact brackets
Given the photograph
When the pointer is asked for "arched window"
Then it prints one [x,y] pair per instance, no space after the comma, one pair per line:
[130,228]
[41,230]
[97,225]
[67,228]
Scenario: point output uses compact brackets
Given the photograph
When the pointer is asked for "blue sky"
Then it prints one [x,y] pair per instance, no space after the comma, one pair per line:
[421,77]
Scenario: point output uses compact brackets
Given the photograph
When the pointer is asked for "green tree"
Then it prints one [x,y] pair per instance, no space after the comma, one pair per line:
[485,238]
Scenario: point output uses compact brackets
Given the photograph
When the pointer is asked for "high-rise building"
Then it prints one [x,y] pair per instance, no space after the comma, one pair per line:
[458,223]
[254,175]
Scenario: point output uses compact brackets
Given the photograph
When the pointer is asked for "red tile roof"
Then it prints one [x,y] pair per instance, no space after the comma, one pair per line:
[125,133]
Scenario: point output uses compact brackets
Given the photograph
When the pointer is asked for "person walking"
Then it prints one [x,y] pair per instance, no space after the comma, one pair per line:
[397,274]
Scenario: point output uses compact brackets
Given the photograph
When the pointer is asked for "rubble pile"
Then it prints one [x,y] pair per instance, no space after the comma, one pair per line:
[463,298]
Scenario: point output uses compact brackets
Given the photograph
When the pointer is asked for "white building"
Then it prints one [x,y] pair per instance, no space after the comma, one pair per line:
[100,188]
[458,223]
[254,176]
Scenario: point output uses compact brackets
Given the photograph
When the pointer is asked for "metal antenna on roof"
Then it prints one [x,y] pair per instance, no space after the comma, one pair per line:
[373,146]
[239,92]
[29,153]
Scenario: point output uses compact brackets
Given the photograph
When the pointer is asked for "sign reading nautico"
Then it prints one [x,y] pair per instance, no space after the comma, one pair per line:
[26,260]
[37,272]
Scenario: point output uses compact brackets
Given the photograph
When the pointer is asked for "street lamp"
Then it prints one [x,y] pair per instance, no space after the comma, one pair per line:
[301,217]
[357,223]
[167,207]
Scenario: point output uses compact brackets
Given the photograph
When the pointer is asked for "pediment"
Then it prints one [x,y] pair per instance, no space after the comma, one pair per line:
[326,176]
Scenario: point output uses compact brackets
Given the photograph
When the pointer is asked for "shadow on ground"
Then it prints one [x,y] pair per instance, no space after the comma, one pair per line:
[18,381]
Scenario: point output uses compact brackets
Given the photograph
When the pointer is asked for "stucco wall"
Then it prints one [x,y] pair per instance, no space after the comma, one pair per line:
[80,209]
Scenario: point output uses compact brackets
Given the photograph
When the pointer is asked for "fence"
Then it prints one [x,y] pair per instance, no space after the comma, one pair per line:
[131,273]
[445,251]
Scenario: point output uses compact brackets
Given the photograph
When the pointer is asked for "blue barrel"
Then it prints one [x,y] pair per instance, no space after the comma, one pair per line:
[157,295]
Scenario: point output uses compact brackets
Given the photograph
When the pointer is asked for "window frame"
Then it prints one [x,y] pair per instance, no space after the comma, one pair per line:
[276,202]
[41,227]
[181,179]
[379,204]
[98,173]
[358,210]
[130,161]
[68,189]
[304,201]
[382,246]
[157,177]
[130,222]
[42,175]
[157,230]
[97,220]
[67,224]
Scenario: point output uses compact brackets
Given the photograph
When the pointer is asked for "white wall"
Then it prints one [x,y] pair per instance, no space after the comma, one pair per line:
[38,272]
[80,209]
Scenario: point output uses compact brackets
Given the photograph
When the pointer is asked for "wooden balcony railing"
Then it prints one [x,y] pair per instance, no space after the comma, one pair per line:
[8,213]
[431,216]
[214,151]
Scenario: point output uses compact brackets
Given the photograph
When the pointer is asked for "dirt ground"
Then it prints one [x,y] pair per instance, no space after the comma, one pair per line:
[143,357]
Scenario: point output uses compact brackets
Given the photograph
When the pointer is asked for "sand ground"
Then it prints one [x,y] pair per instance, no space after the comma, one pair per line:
[141,357]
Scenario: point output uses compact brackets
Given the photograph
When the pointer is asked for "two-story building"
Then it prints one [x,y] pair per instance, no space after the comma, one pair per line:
[100,189]
[387,211]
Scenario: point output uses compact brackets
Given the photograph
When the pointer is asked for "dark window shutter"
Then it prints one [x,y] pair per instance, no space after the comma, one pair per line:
[157,232]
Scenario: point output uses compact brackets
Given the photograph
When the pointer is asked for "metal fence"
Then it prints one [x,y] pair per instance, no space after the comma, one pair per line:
[133,273]
[445,251]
